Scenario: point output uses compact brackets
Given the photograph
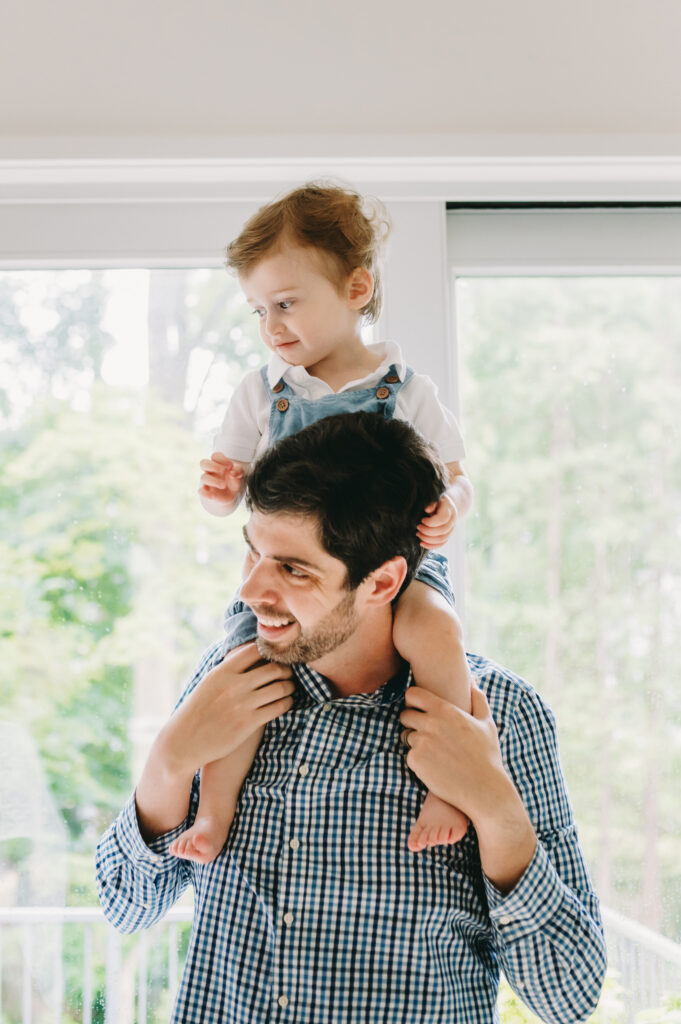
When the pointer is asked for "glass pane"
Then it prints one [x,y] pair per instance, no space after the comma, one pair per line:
[570,397]
[111,386]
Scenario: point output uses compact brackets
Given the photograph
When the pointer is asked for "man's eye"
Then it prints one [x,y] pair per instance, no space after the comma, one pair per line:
[297,573]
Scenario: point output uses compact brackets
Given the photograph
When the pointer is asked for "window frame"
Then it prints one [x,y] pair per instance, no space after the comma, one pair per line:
[113,208]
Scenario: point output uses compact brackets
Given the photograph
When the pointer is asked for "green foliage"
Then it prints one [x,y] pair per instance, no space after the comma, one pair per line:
[570,399]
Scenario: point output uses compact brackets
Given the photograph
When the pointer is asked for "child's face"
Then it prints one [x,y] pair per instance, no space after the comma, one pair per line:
[303,315]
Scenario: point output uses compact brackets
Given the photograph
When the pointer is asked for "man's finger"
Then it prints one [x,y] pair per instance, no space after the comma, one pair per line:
[244,657]
[479,705]
[411,720]
[419,697]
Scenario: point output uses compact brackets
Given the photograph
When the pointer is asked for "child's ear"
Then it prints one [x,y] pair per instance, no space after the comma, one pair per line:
[383,584]
[360,287]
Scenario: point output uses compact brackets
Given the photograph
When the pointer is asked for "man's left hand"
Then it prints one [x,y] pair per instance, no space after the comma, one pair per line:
[458,757]
[455,754]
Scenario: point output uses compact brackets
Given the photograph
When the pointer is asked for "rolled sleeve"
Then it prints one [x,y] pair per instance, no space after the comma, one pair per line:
[137,883]
[547,931]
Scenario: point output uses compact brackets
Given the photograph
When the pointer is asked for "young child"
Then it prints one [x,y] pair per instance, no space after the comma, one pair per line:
[308,264]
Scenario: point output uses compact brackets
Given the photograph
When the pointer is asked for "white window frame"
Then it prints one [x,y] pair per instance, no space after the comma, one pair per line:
[115,208]
[605,241]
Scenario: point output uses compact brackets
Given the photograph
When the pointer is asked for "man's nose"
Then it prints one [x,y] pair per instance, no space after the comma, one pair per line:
[258,586]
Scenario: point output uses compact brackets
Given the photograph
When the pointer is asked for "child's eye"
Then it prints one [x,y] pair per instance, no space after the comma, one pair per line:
[258,312]
[285,304]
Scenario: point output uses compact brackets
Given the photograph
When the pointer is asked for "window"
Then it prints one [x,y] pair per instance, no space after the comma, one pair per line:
[114,578]
[568,327]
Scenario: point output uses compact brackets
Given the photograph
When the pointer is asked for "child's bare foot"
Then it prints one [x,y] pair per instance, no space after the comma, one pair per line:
[437,825]
[202,842]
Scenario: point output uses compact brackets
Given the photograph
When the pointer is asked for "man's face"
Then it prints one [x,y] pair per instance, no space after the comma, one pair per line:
[296,590]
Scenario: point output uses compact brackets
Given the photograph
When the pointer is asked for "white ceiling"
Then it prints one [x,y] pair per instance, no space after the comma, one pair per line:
[211,68]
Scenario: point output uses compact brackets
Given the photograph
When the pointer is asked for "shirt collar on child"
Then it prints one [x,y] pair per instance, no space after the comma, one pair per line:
[390,353]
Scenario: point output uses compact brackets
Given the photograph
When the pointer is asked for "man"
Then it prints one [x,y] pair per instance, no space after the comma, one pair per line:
[316,911]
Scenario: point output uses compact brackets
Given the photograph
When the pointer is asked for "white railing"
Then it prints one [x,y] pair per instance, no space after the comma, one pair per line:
[649,965]
[37,930]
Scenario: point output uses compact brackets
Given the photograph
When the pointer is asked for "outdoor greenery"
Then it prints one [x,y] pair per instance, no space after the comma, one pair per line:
[570,398]
[114,578]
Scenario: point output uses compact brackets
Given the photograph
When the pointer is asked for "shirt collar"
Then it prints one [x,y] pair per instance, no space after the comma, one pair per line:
[390,352]
[317,687]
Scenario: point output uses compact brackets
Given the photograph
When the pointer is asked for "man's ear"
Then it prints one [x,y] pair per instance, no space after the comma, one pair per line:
[383,584]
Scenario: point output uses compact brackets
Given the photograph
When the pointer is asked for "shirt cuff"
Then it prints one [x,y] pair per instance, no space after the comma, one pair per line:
[151,858]
[530,905]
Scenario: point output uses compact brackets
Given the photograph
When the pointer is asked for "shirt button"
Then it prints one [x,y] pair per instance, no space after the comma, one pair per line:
[303,770]
[288,918]
[504,919]
[294,844]
[326,707]
[283,1001]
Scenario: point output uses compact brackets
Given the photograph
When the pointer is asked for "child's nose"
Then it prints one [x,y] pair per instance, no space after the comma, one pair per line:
[273,324]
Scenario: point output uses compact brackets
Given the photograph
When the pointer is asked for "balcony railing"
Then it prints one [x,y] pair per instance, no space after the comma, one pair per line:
[66,964]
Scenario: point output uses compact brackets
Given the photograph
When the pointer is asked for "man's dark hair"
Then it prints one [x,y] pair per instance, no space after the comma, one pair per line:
[366,479]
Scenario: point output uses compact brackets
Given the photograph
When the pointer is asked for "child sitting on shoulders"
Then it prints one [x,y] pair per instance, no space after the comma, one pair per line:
[308,265]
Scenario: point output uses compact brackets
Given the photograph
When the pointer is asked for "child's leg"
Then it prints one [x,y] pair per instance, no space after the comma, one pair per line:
[221,782]
[427,633]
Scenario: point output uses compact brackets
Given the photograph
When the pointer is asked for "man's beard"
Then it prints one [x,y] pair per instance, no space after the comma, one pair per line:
[333,630]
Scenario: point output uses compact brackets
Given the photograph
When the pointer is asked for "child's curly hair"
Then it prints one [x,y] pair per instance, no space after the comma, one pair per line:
[341,224]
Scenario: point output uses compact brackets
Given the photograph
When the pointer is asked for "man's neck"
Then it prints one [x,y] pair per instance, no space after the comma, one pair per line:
[364,662]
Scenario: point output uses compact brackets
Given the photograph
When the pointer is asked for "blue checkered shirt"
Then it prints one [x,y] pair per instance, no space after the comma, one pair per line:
[317,913]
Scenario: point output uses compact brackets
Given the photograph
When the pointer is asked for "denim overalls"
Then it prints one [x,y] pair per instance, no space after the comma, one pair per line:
[290,413]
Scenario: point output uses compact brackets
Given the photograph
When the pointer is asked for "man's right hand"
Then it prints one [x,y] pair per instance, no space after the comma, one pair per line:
[231,702]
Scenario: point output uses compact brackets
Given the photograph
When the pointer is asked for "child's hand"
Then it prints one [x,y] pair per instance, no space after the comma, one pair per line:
[221,479]
[438,523]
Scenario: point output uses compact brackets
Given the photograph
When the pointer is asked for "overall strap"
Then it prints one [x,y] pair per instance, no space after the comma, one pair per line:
[391,379]
[280,390]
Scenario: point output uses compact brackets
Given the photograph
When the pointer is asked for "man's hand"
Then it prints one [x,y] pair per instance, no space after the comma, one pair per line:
[455,754]
[437,525]
[221,479]
[458,757]
[238,696]
[225,708]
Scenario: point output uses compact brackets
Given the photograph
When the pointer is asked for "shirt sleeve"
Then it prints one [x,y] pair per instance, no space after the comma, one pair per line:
[138,882]
[548,931]
[242,426]
[418,403]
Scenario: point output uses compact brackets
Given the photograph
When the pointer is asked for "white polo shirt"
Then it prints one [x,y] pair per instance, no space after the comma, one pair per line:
[244,433]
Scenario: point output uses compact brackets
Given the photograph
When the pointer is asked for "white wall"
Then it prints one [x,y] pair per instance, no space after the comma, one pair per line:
[218,67]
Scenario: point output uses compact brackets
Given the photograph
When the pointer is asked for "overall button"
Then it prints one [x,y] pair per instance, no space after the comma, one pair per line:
[279,386]
[392,379]
[282,404]
[383,393]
